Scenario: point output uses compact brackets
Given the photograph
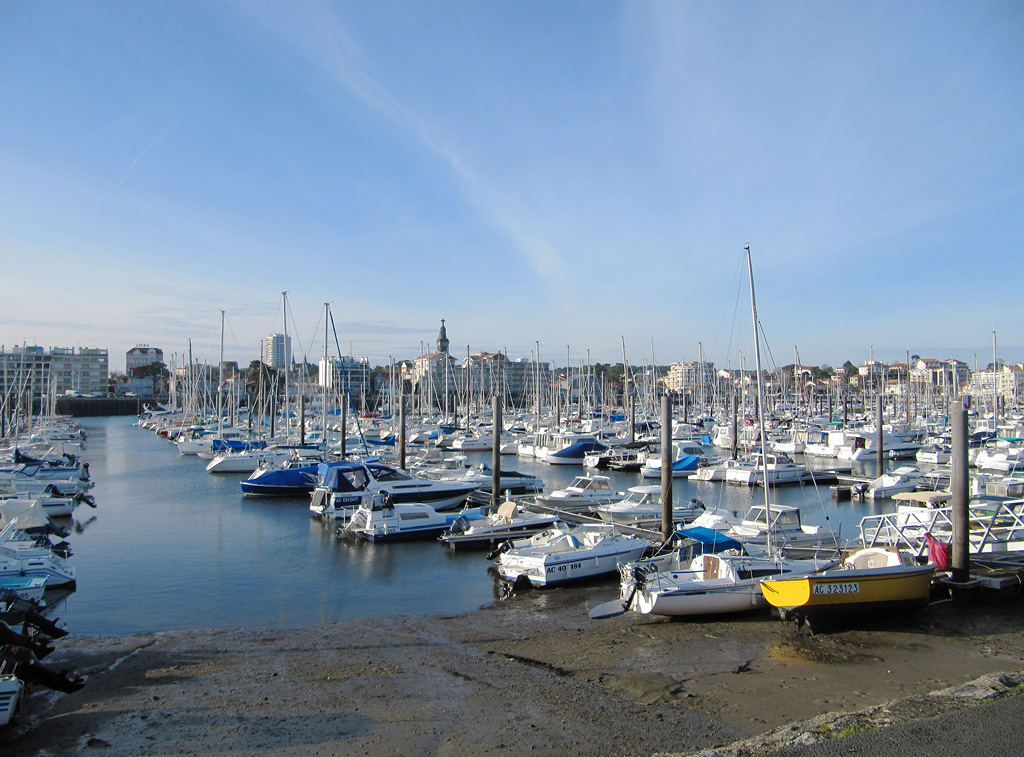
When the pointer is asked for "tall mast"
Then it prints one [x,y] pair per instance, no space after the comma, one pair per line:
[760,389]
[323,378]
[995,382]
[284,315]
[220,382]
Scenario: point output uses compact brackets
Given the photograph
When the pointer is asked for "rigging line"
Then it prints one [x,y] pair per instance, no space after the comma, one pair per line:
[734,297]
[347,388]
[233,335]
[295,331]
[817,491]
[764,341]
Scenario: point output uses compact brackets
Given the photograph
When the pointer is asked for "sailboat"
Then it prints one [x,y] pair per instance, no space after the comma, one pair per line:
[873,579]
[679,583]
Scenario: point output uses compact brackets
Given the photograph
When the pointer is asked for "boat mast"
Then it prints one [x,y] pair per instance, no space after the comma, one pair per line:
[995,381]
[760,391]
[220,382]
[324,380]
[284,316]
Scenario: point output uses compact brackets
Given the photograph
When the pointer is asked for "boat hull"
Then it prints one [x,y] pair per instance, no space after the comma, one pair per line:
[847,592]
[707,600]
[566,568]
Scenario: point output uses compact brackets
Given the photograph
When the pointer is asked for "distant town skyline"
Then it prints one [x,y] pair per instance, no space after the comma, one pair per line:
[578,174]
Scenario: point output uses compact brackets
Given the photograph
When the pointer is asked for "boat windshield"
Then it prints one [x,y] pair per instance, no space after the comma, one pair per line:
[384,473]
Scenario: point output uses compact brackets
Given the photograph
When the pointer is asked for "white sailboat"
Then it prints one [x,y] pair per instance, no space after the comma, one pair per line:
[677,584]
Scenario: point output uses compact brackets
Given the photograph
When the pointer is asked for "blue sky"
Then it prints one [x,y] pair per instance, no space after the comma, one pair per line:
[574,173]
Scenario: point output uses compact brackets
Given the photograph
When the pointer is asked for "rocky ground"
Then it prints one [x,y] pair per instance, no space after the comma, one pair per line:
[530,675]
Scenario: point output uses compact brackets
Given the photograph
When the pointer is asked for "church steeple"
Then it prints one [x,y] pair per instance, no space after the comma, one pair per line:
[442,339]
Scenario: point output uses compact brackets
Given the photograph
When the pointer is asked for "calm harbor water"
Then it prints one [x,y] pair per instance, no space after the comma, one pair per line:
[170,546]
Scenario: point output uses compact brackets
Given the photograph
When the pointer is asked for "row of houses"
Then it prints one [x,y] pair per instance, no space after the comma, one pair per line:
[921,377]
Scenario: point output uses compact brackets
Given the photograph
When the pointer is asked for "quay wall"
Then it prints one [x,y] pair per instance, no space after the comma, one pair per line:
[87,407]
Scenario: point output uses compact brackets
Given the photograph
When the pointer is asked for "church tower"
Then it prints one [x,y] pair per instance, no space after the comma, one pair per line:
[442,339]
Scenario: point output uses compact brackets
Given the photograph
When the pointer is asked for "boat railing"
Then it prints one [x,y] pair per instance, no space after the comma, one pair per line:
[991,527]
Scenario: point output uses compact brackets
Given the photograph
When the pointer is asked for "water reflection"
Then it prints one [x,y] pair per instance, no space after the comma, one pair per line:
[172,546]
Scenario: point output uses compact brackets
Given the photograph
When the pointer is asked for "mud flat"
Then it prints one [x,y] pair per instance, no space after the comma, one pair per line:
[529,675]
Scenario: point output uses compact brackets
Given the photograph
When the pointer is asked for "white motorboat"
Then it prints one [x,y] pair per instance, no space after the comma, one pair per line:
[864,446]
[199,441]
[32,588]
[34,478]
[1006,458]
[247,461]
[546,446]
[20,555]
[340,484]
[582,493]
[507,521]
[753,470]
[687,457]
[903,479]
[642,507]
[566,553]
[473,443]
[783,529]
[380,518]
[12,692]
[509,481]
[935,454]
[714,472]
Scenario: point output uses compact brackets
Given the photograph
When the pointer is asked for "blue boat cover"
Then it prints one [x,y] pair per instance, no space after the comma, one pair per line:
[713,541]
[686,463]
[235,445]
[580,448]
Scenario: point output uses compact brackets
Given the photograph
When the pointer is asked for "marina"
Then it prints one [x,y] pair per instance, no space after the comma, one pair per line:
[194,544]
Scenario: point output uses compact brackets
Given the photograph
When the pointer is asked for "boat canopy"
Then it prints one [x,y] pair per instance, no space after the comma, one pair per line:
[711,540]
[341,477]
[928,498]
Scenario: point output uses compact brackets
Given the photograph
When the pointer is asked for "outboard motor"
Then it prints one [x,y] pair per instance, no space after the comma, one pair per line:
[26,667]
[39,647]
[502,548]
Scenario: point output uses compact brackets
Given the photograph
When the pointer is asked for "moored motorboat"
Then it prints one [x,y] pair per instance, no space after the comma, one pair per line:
[339,485]
[288,479]
[12,693]
[507,521]
[642,506]
[903,479]
[777,468]
[380,518]
[22,556]
[583,492]
[32,588]
[783,529]
[566,553]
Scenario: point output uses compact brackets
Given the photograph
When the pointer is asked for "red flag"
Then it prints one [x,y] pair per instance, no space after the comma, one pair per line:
[939,552]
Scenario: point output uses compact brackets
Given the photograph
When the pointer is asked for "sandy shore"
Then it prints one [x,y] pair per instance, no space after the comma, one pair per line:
[530,675]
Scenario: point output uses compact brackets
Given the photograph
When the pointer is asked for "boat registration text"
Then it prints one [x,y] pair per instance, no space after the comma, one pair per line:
[562,568]
[848,588]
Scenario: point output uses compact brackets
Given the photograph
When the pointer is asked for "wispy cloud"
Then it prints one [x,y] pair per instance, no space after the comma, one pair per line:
[320,36]
[152,145]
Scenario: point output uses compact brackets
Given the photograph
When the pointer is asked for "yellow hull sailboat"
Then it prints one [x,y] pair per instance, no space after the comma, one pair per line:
[865,581]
